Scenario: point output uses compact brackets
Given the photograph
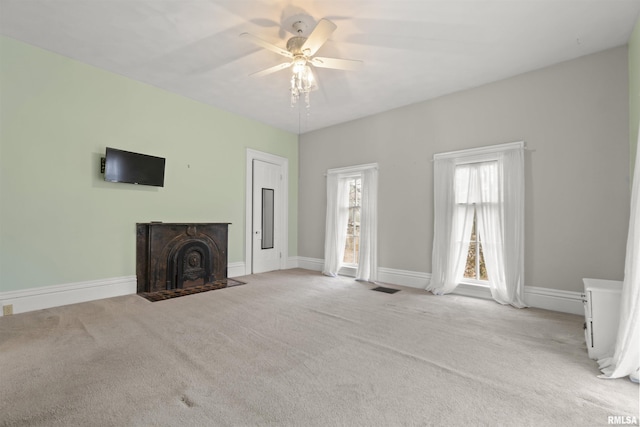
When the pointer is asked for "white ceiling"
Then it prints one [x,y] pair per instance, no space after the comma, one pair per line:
[412,50]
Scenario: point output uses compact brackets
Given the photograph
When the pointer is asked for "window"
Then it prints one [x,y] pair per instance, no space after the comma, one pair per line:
[475,269]
[487,182]
[352,244]
[475,191]
[351,238]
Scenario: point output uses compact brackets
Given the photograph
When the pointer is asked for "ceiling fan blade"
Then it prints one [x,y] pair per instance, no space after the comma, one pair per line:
[318,36]
[271,69]
[265,44]
[335,63]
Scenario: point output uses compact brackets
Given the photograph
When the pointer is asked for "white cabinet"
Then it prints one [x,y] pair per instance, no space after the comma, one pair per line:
[601,300]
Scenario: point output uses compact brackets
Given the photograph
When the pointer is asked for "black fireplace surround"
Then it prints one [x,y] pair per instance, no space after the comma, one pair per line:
[180,255]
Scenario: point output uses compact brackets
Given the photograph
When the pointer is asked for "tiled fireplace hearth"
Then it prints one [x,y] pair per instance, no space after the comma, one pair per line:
[180,255]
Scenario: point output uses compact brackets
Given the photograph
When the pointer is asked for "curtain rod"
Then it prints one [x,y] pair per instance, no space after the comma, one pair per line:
[352,169]
[480,151]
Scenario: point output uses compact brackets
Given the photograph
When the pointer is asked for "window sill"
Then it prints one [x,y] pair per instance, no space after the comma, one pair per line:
[475,283]
[348,270]
[473,289]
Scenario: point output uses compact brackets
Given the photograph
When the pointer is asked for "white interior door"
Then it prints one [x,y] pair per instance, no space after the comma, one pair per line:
[267,188]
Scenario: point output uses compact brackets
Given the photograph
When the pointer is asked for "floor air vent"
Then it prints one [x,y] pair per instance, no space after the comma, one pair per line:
[385,290]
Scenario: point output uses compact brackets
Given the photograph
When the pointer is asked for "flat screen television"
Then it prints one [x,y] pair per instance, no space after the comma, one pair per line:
[133,168]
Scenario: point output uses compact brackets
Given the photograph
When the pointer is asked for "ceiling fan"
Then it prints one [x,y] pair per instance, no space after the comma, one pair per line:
[300,51]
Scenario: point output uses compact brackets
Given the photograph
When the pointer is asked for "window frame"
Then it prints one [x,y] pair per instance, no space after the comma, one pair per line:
[477,155]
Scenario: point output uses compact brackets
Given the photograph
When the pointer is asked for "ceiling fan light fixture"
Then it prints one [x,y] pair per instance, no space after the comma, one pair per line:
[300,51]
[298,65]
[302,82]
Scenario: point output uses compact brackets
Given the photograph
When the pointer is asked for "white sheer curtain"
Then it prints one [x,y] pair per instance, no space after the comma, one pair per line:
[368,252]
[626,357]
[453,220]
[492,184]
[500,221]
[336,223]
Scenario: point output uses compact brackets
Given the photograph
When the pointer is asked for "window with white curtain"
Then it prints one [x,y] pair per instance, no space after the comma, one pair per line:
[480,193]
[351,230]
[467,193]
[352,245]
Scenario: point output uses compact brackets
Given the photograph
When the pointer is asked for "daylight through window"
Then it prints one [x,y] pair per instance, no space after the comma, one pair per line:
[475,268]
[352,244]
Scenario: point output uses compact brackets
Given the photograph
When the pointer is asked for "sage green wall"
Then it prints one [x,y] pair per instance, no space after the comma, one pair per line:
[60,222]
[574,116]
[634,91]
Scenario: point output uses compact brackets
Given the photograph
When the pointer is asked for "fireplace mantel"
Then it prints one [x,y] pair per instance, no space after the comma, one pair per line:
[180,255]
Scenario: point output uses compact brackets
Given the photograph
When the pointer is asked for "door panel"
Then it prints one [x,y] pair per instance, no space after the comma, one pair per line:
[266,216]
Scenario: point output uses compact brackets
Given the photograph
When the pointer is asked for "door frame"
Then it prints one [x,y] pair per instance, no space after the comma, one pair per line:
[283,203]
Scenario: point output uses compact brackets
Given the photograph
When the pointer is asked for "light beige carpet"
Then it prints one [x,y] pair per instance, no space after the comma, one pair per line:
[295,348]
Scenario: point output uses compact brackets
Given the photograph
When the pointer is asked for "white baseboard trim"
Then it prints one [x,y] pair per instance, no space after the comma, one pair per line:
[317,264]
[71,293]
[545,298]
[385,275]
[554,299]
[314,264]
[413,279]
[292,262]
[235,269]
[240,269]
